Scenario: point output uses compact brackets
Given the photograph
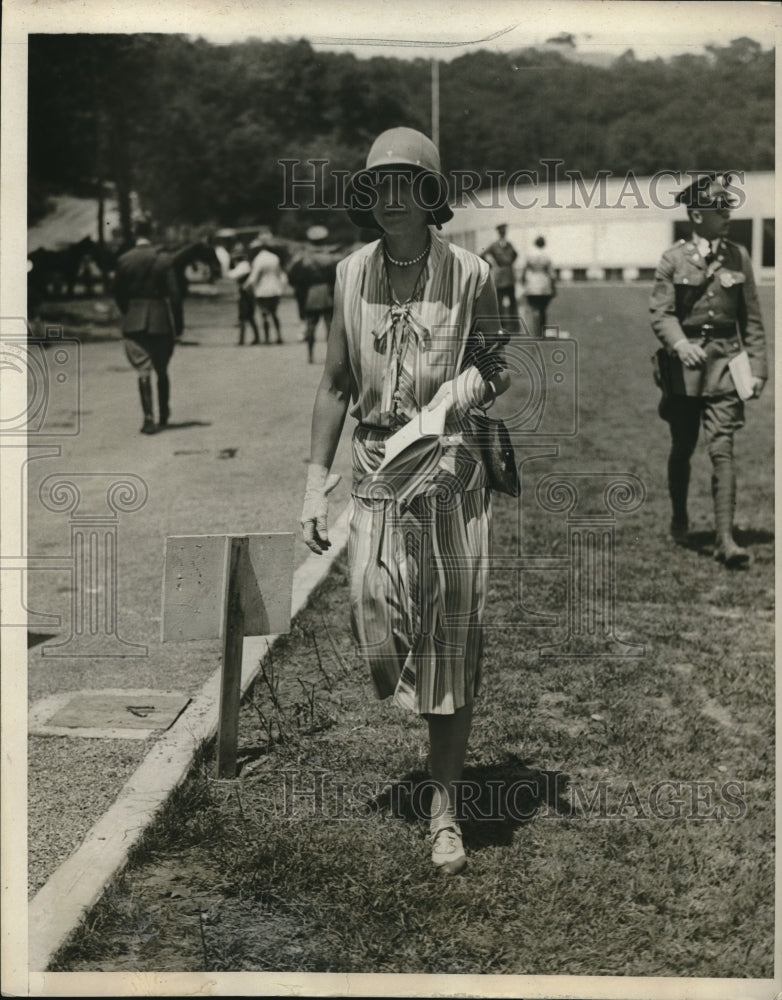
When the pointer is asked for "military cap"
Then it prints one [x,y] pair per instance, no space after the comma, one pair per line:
[708,190]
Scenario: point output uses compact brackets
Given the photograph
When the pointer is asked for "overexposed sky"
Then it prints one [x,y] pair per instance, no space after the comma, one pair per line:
[409,28]
[446,30]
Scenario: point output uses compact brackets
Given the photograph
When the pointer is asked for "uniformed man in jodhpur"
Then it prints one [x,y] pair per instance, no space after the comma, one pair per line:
[704,309]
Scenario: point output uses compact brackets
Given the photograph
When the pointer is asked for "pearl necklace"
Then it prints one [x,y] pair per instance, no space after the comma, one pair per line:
[406,263]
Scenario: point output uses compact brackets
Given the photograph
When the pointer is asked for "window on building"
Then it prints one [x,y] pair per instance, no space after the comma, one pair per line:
[464,239]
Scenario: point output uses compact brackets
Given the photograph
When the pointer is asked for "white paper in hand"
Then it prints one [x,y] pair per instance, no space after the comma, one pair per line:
[426,426]
[741,373]
[412,453]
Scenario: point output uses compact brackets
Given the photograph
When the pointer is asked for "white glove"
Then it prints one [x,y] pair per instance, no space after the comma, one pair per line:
[314,513]
[461,393]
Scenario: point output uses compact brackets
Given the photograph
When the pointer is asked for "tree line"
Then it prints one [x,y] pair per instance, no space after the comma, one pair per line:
[198,129]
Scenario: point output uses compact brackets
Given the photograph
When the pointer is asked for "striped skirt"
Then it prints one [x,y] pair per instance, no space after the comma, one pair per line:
[418,584]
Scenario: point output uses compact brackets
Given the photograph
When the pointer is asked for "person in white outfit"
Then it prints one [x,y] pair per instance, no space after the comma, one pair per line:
[540,284]
[267,281]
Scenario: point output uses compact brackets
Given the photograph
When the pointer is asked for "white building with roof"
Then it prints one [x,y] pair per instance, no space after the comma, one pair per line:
[607,227]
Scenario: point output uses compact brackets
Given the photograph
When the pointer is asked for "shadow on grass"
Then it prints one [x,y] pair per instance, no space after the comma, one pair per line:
[754,536]
[703,543]
[494,799]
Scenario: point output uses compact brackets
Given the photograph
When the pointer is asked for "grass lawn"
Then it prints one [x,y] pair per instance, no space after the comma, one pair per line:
[623,821]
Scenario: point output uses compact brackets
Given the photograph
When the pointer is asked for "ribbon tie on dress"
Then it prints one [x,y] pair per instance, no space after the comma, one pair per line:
[392,335]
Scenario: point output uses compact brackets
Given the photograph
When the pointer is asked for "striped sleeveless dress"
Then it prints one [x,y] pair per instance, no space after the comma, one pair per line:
[418,569]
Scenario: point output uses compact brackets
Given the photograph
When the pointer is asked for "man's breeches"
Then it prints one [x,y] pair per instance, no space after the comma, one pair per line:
[146,351]
[722,416]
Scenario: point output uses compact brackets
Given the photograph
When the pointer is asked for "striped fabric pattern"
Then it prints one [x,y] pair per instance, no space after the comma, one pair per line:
[418,571]
[437,330]
[418,585]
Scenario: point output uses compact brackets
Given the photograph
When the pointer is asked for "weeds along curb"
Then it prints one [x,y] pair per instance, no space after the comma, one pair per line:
[78,883]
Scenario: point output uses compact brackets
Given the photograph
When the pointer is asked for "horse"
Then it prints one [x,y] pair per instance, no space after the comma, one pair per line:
[54,273]
[195,253]
[105,259]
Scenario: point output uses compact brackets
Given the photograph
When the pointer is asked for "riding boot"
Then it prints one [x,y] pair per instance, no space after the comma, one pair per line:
[723,490]
[145,391]
[678,486]
[163,390]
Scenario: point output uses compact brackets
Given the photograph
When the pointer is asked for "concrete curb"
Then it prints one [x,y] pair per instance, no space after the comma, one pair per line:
[78,883]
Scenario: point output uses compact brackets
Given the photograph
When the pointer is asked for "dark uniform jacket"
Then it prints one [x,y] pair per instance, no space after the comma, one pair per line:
[714,304]
[147,292]
[501,255]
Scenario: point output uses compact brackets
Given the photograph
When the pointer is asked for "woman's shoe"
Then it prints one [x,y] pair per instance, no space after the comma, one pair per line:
[447,850]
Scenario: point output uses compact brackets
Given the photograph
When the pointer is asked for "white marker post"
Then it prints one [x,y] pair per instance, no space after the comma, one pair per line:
[226,587]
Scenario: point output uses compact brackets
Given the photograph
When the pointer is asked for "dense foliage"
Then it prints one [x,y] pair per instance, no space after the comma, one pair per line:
[198,129]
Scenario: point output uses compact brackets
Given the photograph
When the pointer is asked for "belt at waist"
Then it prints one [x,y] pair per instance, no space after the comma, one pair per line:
[719,331]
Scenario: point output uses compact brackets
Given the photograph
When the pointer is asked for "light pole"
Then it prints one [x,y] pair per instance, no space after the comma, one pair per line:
[436,103]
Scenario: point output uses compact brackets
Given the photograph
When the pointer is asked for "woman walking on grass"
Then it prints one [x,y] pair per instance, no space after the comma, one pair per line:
[404,308]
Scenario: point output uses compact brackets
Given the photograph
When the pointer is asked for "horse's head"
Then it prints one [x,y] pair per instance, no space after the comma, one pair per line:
[197,253]
[208,256]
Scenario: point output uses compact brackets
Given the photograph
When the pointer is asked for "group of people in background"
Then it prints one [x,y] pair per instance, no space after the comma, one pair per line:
[538,281]
[150,300]
[262,279]
[261,284]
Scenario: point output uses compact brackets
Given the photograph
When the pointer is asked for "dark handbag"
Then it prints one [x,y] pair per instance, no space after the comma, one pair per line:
[499,458]
[491,436]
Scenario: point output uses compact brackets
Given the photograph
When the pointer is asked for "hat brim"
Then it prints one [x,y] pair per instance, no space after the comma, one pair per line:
[359,196]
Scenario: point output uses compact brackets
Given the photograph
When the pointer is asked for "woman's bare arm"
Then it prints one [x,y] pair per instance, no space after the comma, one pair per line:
[333,396]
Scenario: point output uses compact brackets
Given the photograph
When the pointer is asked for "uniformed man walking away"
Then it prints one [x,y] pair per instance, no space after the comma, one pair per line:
[705,311]
[148,296]
[501,255]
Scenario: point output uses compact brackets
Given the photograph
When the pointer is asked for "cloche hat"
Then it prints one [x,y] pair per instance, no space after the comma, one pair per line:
[406,148]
